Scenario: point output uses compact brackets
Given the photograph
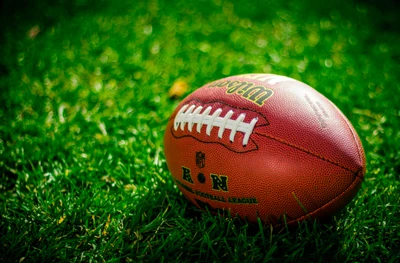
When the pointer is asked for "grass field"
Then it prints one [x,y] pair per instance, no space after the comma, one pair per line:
[84,104]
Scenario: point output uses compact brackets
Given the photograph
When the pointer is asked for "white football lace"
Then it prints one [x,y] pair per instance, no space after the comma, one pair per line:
[191,115]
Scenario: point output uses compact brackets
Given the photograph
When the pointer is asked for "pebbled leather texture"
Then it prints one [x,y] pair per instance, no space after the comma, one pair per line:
[303,160]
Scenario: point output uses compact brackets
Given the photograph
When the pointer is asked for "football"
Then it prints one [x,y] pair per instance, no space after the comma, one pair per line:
[264,145]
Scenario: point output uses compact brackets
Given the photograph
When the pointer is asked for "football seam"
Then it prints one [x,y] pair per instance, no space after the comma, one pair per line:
[222,144]
[192,116]
[310,214]
[225,103]
[356,141]
[307,151]
[172,117]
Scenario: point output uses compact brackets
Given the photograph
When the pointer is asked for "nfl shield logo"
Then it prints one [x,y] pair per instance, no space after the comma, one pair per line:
[200,159]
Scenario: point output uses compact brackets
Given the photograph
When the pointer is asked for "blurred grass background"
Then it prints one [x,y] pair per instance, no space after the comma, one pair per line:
[84,103]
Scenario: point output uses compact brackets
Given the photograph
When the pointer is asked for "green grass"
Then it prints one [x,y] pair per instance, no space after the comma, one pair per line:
[84,104]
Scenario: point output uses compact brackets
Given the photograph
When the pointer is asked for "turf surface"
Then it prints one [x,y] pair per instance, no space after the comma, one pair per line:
[84,103]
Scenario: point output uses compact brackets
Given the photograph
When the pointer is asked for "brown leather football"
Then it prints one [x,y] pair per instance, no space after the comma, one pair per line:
[263,145]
